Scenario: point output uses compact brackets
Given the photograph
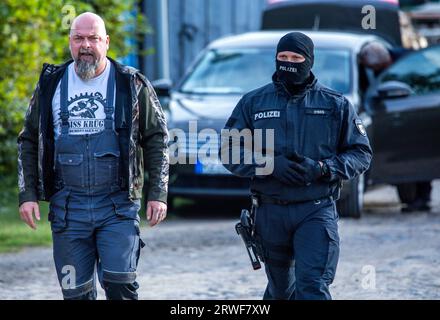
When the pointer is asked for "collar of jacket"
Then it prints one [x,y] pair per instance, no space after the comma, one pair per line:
[302,90]
[52,74]
[51,71]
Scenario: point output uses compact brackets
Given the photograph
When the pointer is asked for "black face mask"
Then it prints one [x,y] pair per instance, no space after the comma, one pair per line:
[292,73]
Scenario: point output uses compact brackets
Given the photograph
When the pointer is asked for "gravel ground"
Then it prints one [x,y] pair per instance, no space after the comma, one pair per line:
[385,255]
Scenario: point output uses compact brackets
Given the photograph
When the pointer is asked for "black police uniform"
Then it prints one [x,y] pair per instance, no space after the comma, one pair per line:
[297,219]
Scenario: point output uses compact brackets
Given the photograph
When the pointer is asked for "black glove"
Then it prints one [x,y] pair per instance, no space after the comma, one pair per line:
[289,172]
[313,168]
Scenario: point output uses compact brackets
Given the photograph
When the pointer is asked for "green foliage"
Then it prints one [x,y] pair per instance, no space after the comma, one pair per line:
[36,31]
[15,234]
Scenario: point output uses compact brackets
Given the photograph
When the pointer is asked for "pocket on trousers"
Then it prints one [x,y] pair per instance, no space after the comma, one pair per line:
[58,208]
[106,167]
[124,207]
[333,255]
[137,247]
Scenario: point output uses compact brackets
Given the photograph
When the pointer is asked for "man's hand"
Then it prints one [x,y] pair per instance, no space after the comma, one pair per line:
[288,172]
[156,212]
[27,210]
[313,168]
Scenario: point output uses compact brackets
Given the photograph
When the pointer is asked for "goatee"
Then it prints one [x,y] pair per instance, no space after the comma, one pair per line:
[86,70]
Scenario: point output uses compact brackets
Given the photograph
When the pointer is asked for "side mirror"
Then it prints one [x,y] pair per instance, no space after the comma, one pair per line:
[162,87]
[393,90]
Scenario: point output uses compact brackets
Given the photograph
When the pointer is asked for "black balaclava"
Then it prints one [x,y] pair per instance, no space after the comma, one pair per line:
[290,73]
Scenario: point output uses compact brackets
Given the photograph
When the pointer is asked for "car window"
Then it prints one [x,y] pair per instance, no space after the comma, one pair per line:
[231,71]
[237,71]
[420,70]
[333,69]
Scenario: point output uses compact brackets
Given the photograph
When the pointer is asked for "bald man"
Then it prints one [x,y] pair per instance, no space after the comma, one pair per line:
[88,125]
[90,61]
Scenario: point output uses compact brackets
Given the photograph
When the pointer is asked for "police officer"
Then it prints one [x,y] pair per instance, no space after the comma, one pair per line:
[319,141]
[86,129]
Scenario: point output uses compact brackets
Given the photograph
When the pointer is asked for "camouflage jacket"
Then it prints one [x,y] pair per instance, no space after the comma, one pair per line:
[146,133]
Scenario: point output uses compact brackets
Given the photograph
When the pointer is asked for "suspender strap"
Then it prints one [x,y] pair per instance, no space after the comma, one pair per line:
[64,91]
[109,108]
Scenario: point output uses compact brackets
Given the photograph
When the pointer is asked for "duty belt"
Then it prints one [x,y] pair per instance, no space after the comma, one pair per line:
[260,198]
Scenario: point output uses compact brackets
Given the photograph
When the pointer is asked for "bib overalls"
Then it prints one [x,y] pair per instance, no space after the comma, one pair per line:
[95,226]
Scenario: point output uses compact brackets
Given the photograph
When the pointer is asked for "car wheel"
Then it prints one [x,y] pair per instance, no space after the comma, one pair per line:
[407,192]
[353,204]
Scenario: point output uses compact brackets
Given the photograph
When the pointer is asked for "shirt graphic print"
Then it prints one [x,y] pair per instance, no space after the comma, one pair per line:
[86,103]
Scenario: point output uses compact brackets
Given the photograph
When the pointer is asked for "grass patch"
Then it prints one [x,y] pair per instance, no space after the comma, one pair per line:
[15,234]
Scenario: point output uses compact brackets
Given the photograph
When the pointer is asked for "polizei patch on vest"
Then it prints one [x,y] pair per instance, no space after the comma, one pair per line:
[267,115]
[361,128]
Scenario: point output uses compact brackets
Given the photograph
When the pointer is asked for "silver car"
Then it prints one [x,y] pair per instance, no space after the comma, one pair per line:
[232,66]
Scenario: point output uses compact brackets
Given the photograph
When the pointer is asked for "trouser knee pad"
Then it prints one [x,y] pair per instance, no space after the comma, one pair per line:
[91,295]
[121,291]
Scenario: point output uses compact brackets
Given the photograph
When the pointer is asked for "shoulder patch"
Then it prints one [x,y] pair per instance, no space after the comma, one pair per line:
[360,126]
